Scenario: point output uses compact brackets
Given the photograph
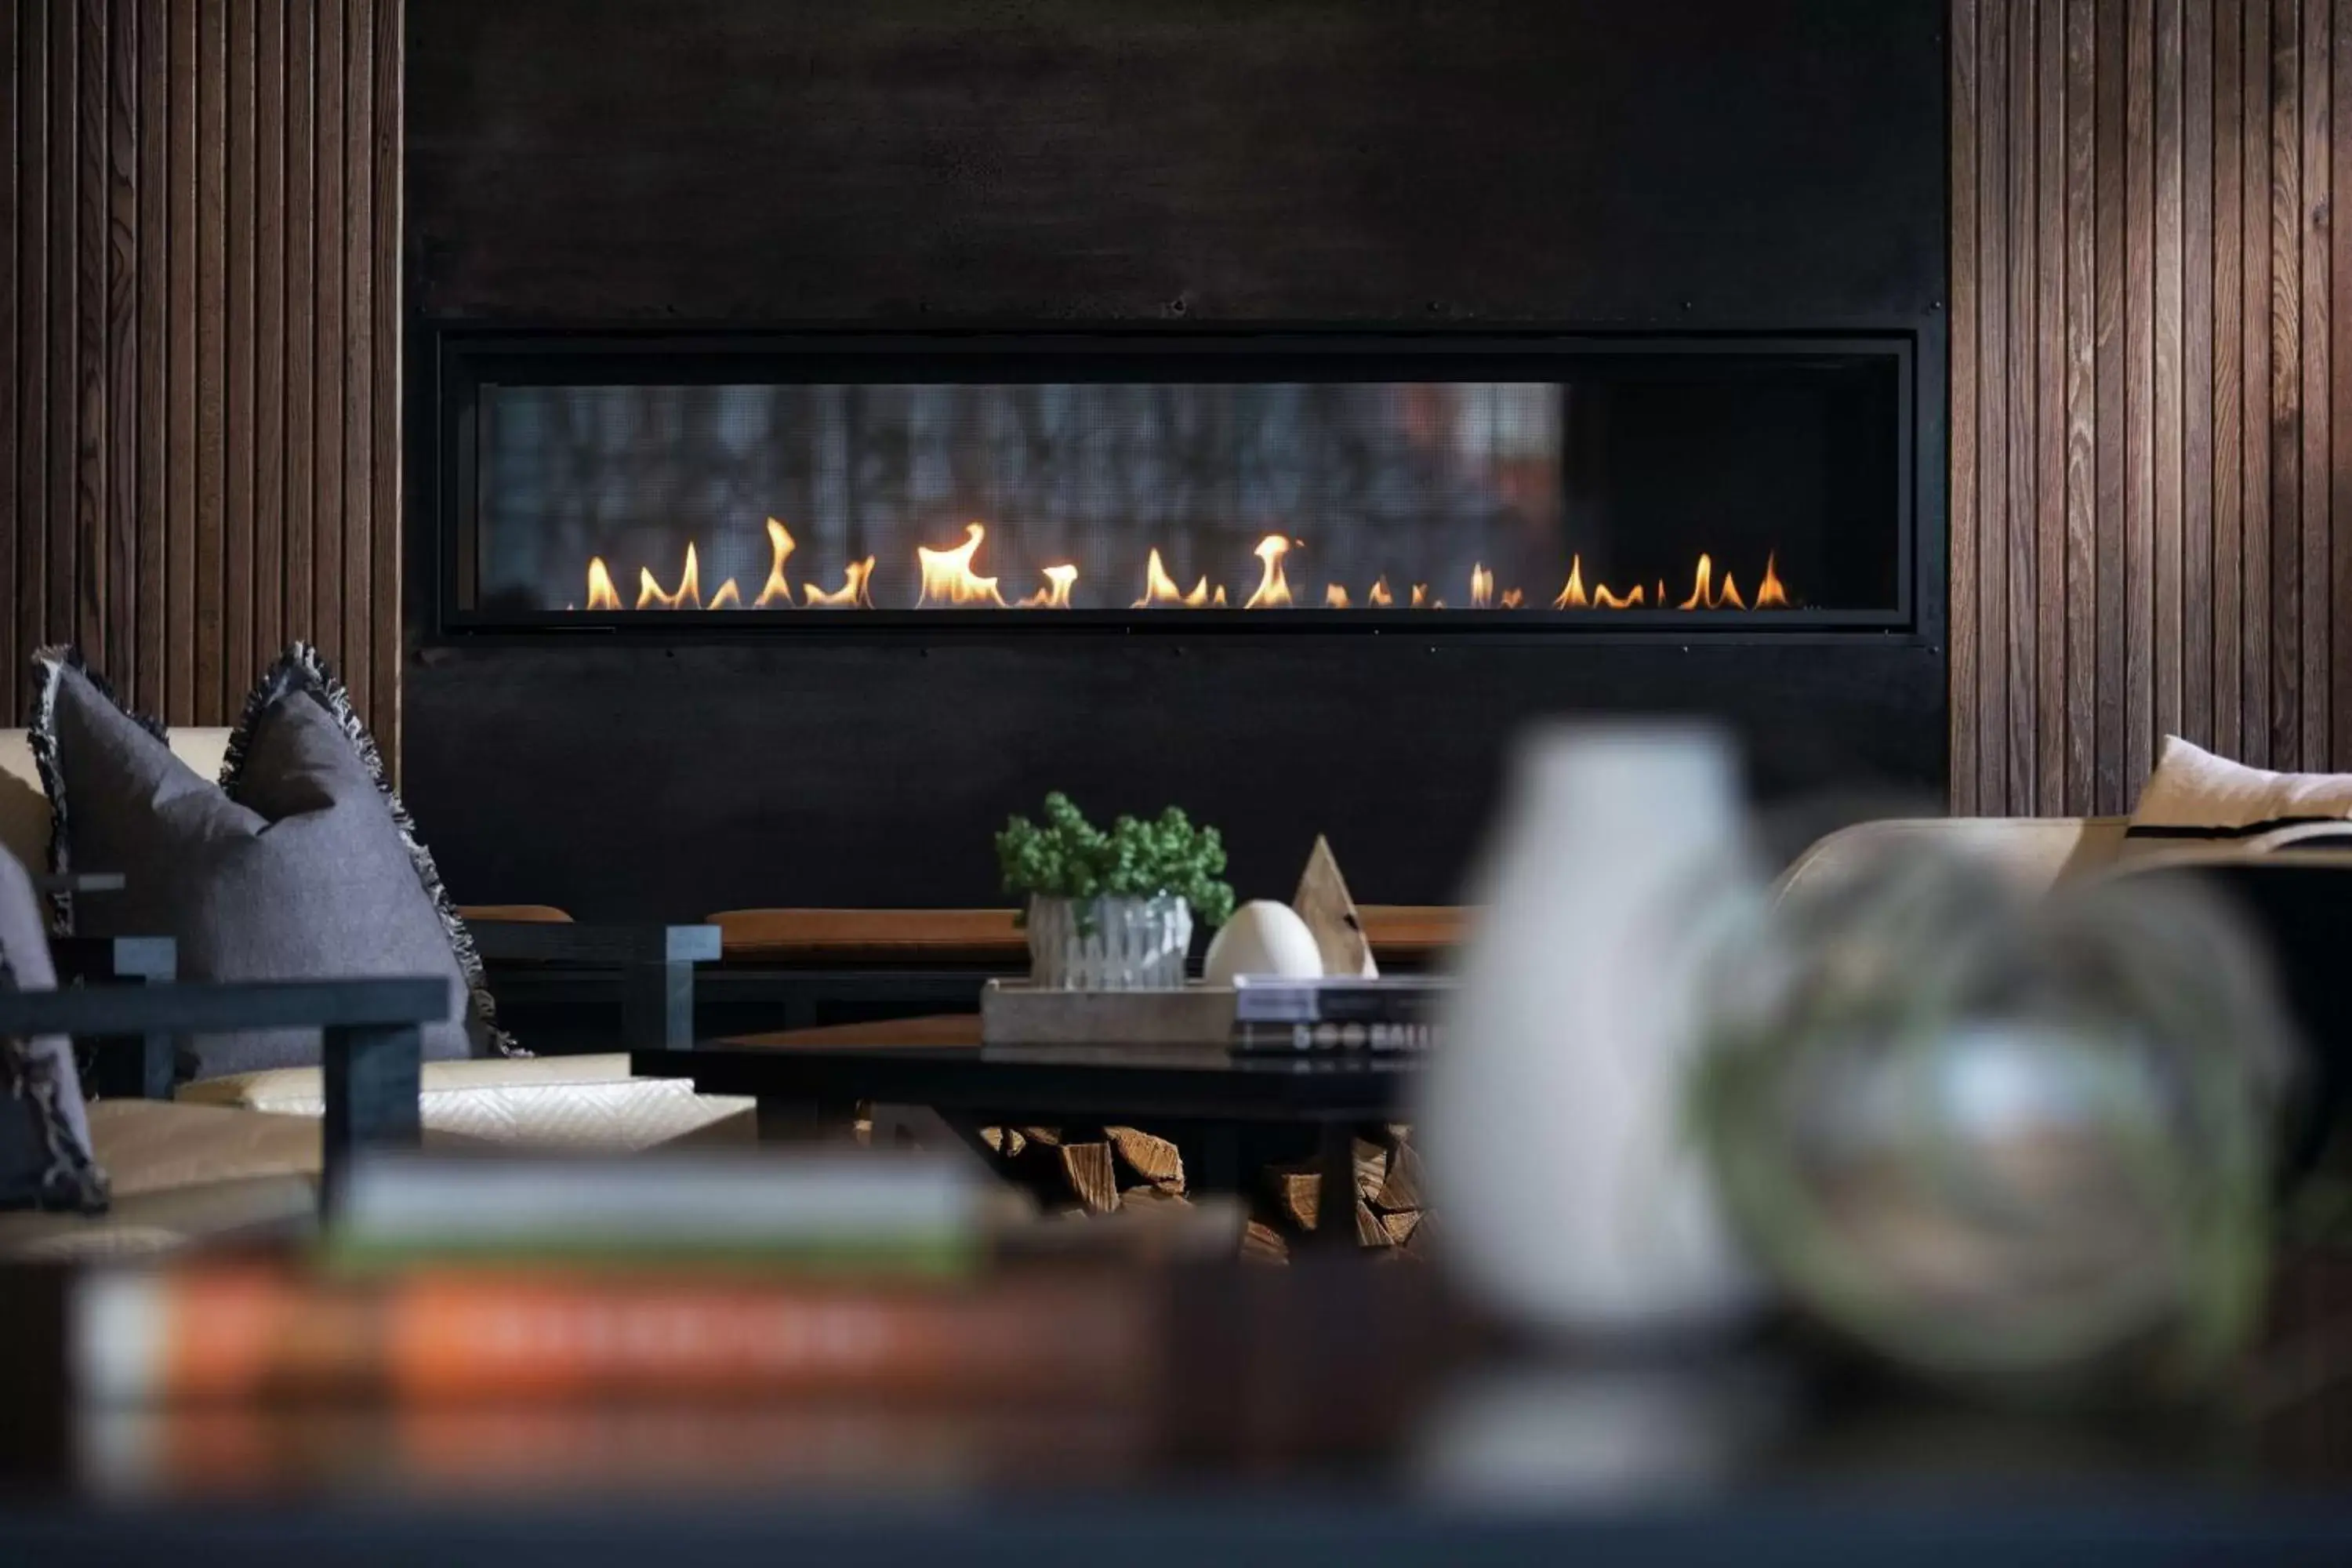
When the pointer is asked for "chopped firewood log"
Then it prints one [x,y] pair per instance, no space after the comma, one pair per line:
[1156,1160]
[1091,1175]
[1323,902]
[1371,1167]
[1006,1142]
[1397,1230]
[1261,1243]
[1423,1242]
[1369,1231]
[1401,1188]
[1296,1189]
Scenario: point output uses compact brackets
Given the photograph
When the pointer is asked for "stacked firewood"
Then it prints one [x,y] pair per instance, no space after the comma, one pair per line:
[1096,1170]
[1389,1212]
[1104,1170]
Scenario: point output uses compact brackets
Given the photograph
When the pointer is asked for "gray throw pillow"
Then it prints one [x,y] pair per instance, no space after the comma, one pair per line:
[45,1153]
[300,864]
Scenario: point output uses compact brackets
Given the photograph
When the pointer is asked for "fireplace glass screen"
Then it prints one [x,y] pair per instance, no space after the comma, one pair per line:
[1743,485]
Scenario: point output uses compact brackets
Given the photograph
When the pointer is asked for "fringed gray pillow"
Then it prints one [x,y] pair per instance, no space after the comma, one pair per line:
[45,1153]
[300,864]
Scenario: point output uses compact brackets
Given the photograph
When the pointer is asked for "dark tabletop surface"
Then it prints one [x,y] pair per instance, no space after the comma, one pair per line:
[1337,1411]
[1113,1080]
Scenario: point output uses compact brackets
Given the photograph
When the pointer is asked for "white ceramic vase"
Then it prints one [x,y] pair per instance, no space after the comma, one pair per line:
[1556,1143]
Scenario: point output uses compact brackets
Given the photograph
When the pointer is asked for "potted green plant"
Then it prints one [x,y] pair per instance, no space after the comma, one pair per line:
[1112,910]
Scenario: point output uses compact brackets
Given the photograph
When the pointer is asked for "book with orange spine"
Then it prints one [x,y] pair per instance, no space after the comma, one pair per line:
[243,1330]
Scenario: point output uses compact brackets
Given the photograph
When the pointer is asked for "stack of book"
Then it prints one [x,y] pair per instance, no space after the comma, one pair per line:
[707,1277]
[1343,1013]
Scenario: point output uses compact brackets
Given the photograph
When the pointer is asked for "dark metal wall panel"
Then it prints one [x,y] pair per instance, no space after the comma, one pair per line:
[1744,166]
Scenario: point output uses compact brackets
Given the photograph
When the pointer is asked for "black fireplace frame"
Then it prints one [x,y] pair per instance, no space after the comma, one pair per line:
[466,357]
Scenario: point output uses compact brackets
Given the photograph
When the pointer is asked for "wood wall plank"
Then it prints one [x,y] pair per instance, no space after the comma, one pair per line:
[271,626]
[12,106]
[2193,580]
[2339,399]
[179,367]
[2167,444]
[154,295]
[2254,134]
[2194,418]
[2050,429]
[302,312]
[241,232]
[1993,381]
[2315,573]
[385,608]
[326,620]
[2228,31]
[2080,652]
[1968,457]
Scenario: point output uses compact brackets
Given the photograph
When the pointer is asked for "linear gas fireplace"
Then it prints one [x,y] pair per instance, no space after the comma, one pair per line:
[1685,484]
[713,620]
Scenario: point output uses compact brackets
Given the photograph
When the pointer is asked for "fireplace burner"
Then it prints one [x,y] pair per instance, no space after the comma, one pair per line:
[762,484]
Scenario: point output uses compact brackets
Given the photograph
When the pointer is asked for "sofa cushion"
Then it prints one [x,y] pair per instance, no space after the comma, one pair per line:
[45,1148]
[299,865]
[2194,795]
[586,1103]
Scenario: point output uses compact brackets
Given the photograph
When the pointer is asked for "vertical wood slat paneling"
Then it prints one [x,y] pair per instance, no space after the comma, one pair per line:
[199,350]
[2178,372]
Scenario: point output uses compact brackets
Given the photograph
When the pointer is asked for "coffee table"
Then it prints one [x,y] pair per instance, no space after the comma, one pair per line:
[1207,1100]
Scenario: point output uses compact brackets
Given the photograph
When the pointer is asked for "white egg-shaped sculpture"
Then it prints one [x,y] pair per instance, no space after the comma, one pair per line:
[1263,938]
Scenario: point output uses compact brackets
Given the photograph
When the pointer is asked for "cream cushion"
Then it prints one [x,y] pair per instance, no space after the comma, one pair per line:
[181,1174]
[25,808]
[2205,796]
[586,1103]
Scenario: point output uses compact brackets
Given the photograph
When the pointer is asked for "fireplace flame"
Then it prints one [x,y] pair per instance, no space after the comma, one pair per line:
[689,588]
[1055,593]
[778,591]
[1702,597]
[1159,590]
[602,594]
[1273,588]
[1572,596]
[947,577]
[852,593]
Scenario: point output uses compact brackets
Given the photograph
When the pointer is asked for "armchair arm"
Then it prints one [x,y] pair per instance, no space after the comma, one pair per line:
[372,1046]
[656,963]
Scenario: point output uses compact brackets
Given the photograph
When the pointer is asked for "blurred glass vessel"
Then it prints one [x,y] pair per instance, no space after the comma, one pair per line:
[2019,1144]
